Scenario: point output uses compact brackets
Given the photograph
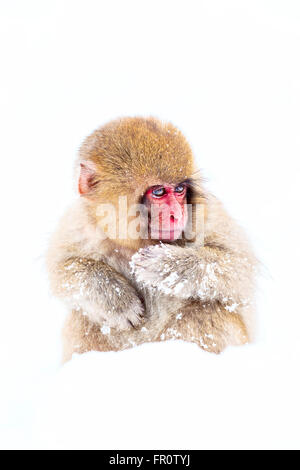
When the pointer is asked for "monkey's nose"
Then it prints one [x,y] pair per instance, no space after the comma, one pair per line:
[176,214]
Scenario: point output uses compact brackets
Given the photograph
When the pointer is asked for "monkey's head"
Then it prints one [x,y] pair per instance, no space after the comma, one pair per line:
[144,164]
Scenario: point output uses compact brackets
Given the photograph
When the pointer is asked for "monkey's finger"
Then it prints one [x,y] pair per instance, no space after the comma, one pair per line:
[131,324]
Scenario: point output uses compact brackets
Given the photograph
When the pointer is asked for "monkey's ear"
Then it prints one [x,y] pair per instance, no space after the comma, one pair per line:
[86,178]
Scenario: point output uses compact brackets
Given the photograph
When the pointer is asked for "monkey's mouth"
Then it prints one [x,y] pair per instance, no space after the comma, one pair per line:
[171,234]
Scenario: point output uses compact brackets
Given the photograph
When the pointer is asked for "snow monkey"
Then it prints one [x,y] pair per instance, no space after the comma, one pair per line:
[147,253]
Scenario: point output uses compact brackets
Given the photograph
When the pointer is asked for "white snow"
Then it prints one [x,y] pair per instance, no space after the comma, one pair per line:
[231,81]
[171,279]
[105,330]
[232,307]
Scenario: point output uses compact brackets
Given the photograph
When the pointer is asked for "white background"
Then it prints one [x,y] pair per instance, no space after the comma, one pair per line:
[227,74]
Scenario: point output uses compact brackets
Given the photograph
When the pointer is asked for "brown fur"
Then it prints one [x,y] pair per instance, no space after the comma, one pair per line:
[120,292]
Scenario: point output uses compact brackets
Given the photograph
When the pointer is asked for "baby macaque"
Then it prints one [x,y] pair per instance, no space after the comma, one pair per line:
[147,253]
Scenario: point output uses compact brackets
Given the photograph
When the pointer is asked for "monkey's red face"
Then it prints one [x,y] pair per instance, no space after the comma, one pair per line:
[167,215]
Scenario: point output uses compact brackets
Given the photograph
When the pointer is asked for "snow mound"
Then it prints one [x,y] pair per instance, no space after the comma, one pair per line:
[170,395]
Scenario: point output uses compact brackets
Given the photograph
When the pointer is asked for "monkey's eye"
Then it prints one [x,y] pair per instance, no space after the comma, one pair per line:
[159,192]
[179,189]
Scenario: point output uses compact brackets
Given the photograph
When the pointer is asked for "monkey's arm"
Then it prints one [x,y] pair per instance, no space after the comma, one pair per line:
[97,290]
[207,273]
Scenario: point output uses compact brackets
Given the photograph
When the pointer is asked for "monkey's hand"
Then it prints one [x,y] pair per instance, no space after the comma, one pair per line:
[123,309]
[205,273]
[165,268]
[100,292]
